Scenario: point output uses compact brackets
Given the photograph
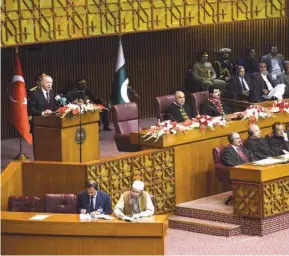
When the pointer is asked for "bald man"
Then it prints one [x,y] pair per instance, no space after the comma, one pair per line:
[258,145]
[179,111]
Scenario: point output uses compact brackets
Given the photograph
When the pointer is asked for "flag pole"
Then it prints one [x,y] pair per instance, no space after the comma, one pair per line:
[21,155]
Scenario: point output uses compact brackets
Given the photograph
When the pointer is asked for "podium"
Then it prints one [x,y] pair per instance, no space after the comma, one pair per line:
[62,139]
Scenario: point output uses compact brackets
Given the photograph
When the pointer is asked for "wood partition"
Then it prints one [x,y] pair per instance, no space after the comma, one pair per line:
[11,183]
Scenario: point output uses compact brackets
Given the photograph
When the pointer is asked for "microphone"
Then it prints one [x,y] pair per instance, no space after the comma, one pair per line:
[133,91]
[62,101]
[171,117]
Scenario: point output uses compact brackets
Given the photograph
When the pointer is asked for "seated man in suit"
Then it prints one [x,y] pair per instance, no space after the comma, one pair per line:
[263,87]
[240,85]
[93,201]
[179,111]
[135,203]
[236,153]
[257,145]
[279,140]
[285,79]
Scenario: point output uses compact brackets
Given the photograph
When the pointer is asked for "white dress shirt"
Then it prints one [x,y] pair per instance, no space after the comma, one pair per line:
[245,83]
[276,70]
[269,85]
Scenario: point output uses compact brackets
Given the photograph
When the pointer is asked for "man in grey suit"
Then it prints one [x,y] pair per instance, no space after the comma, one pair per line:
[285,79]
[275,64]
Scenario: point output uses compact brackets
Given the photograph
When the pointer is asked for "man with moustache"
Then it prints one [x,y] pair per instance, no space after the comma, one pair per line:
[279,141]
[236,153]
[263,87]
[41,99]
[134,204]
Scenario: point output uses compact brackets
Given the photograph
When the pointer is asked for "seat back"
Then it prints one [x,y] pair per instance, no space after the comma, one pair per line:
[161,105]
[60,203]
[23,204]
[198,98]
[154,201]
[125,117]
[222,171]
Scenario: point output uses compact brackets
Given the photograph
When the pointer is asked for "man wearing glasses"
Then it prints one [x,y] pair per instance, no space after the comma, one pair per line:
[263,86]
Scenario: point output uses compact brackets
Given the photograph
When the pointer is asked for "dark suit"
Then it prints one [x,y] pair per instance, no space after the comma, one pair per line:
[278,143]
[235,88]
[208,108]
[230,156]
[258,84]
[37,103]
[174,113]
[102,200]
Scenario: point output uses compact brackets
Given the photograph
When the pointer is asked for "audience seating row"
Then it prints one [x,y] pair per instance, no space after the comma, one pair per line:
[51,203]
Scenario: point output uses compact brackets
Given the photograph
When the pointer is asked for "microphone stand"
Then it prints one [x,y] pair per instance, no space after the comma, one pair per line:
[80,133]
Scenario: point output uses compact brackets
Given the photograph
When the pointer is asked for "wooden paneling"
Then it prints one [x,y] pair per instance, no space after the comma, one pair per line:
[11,183]
[156,61]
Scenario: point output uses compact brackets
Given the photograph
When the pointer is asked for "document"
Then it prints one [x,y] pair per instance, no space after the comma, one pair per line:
[272,160]
[39,217]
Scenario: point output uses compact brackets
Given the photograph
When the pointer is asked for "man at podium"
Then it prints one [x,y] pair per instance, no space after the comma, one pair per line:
[41,99]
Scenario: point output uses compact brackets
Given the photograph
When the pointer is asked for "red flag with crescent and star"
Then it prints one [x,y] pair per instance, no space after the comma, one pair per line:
[18,102]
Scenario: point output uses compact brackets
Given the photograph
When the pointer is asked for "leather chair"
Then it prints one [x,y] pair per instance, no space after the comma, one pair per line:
[198,98]
[125,120]
[60,203]
[222,171]
[24,204]
[161,105]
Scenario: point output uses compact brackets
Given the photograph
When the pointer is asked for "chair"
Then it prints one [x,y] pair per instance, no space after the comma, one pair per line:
[198,98]
[125,120]
[60,203]
[161,105]
[23,204]
[154,201]
[222,171]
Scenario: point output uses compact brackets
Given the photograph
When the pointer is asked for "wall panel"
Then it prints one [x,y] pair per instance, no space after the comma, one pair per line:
[156,61]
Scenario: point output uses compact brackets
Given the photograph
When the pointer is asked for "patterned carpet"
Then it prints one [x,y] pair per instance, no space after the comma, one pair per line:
[179,242]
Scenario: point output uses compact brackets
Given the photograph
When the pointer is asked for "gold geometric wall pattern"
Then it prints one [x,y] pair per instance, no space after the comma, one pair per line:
[276,197]
[36,21]
[156,170]
[247,199]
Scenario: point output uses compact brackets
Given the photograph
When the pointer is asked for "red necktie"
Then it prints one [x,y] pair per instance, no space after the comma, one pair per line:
[242,154]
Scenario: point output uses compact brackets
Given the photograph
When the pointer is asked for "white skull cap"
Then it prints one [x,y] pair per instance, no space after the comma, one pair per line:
[138,185]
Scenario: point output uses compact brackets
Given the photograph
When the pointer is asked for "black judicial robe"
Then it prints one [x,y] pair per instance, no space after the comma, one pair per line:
[278,144]
[260,148]
[230,157]
[173,112]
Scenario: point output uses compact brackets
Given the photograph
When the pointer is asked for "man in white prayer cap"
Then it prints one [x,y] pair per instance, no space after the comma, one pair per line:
[135,203]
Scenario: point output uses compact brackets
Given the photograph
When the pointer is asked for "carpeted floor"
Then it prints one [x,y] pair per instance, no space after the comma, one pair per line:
[179,242]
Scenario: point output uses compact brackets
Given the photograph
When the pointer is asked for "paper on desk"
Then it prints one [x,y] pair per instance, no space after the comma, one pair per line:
[269,161]
[102,216]
[39,217]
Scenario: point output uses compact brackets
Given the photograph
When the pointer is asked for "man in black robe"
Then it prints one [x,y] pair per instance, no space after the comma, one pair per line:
[179,111]
[279,140]
[257,145]
[236,153]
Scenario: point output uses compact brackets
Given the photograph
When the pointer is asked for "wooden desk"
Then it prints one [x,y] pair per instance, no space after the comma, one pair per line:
[260,191]
[65,234]
[194,164]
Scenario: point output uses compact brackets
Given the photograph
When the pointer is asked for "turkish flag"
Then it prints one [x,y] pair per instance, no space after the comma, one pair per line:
[18,102]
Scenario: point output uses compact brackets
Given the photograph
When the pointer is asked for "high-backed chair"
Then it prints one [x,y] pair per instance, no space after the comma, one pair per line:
[222,171]
[198,98]
[24,204]
[161,105]
[125,120]
[60,203]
